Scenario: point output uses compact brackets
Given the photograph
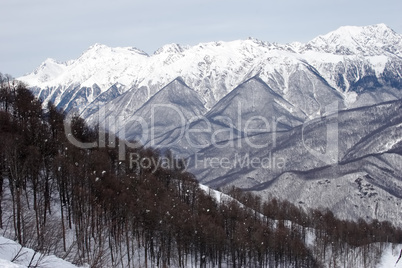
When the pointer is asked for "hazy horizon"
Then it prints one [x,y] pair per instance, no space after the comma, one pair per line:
[34,31]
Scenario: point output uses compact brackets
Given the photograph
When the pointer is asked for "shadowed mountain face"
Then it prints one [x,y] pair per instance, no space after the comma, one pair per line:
[362,132]
[355,175]
[171,107]
[318,123]
[251,108]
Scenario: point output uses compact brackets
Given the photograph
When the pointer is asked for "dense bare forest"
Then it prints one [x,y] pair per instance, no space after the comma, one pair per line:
[87,206]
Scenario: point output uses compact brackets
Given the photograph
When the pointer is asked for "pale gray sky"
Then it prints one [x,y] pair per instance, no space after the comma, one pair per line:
[32,31]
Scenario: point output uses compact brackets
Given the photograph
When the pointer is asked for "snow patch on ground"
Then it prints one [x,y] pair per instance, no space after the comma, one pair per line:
[390,256]
[13,255]
[218,196]
[350,98]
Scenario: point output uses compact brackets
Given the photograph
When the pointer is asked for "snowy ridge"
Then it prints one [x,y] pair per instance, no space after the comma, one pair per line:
[13,255]
[370,40]
[343,58]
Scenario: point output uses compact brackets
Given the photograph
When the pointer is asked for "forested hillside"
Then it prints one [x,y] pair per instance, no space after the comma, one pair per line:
[89,207]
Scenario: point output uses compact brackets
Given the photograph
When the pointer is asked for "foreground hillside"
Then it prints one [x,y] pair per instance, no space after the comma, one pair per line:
[100,207]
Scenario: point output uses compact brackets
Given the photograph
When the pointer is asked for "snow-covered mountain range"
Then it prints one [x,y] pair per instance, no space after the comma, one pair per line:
[213,100]
[348,60]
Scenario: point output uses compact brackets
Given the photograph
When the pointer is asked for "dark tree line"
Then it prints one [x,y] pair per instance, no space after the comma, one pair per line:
[108,213]
[333,237]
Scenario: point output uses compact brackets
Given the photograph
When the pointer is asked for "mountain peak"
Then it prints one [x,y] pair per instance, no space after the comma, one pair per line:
[375,31]
[170,48]
[350,40]
[98,48]
[48,69]
[381,26]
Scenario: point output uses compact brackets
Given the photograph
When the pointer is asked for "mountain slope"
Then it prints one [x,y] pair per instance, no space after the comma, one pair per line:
[350,60]
[371,40]
[251,108]
[253,102]
[298,165]
[172,107]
